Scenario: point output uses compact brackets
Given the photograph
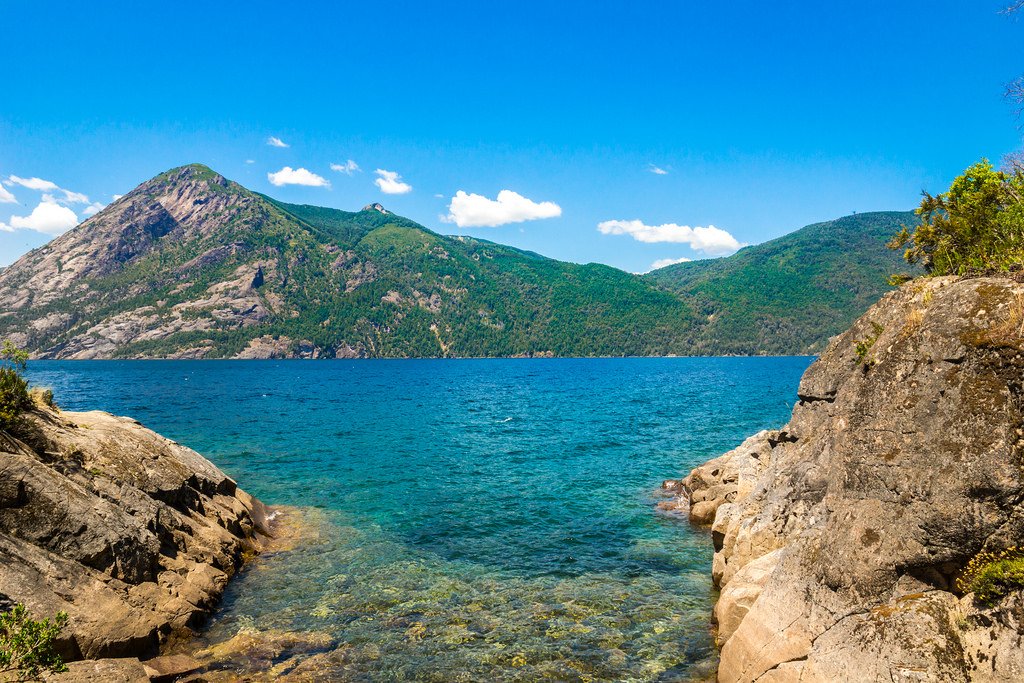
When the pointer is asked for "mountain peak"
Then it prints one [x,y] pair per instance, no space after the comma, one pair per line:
[376,206]
[192,172]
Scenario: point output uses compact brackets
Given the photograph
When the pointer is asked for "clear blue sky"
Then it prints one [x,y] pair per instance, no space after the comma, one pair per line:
[765,116]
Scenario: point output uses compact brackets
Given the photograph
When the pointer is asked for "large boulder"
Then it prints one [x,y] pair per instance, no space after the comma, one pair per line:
[133,535]
[839,539]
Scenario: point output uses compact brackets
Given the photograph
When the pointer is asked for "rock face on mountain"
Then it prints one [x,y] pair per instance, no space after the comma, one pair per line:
[839,539]
[133,535]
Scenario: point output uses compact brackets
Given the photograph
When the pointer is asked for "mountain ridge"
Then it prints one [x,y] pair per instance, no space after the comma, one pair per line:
[192,265]
[795,291]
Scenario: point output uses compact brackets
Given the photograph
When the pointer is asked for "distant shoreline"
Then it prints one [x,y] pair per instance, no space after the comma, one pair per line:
[437,358]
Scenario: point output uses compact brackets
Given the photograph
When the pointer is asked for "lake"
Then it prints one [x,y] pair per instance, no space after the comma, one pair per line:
[476,519]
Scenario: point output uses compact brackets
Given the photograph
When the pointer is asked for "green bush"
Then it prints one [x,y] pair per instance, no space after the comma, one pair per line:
[26,645]
[975,227]
[14,396]
[990,575]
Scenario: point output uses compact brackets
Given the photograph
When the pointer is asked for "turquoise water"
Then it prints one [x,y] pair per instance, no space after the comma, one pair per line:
[476,519]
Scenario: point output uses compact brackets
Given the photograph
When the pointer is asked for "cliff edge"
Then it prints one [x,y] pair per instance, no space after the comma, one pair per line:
[133,535]
[844,542]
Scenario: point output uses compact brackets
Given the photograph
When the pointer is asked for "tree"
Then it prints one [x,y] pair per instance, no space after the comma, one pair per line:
[1015,88]
[977,226]
[1015,93]
[26,645]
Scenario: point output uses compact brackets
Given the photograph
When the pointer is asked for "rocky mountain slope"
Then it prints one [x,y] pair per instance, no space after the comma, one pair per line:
[792,293]
[846,542]
[190,264]
[132,535]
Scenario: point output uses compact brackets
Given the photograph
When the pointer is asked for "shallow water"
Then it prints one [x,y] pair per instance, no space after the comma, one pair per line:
[476,519]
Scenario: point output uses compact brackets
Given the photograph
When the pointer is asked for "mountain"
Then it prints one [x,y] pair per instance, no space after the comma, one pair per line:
[192,265]
[792,293]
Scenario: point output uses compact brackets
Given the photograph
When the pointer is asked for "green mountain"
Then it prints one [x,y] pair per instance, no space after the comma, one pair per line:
[190,264]
[794,292]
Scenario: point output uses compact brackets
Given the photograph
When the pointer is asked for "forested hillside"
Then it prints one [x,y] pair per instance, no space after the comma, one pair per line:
[790,294]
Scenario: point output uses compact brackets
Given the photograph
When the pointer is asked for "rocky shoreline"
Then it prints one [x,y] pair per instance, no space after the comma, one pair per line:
[844,542]
[134,536]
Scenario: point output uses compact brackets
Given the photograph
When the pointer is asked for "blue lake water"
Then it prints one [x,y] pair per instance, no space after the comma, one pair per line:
[477,519]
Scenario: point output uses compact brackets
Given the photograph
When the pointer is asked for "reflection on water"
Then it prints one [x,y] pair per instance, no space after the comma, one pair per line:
[467,520]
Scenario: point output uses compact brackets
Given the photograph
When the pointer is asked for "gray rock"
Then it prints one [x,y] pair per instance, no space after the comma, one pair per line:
[839,538]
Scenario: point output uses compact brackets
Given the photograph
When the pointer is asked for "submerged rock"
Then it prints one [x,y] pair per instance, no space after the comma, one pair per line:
[133,535]
[839,539]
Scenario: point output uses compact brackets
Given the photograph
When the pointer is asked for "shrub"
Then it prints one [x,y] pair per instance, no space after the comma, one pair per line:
[863,347]
[992,575]
[975,227]
[14,396]
[26,645]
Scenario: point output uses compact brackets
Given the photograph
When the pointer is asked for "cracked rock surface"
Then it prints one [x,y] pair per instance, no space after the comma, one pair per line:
[839,538]
[133,535]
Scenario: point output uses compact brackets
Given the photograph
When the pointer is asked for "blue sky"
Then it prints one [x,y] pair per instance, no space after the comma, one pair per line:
[764,117]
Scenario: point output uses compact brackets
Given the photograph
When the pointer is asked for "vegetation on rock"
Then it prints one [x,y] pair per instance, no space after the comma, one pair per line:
[990,576]
[27,645]
[863,346]
[14,396]
[976,227]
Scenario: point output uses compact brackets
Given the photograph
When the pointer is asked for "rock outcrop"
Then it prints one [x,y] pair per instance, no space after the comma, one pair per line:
[839,539]
[133,535]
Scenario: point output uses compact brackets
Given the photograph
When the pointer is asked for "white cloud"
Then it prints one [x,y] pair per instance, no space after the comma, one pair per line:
[115,197]
[49,218]
[297,176]
[250,161]
[657,170]
[6,197]
[40,185]
[348,168]
[439,196]
[662,262]
[710,240]
[390,182]
[474,210]
[93,209]
[276,142]
[5,228]
[33,183]
[74,197]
